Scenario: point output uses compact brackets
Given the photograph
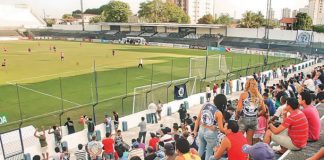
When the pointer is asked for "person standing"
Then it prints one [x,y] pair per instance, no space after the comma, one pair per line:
[70,126]
[142,132]
[42,140]
[152,112]
[57,134]
[208,93]
[116,121]
[108,147]
[223,87]
[159,110]
[107,122]
[230,83]
[210,124]
[215,87]
[81,154]
[4,63]
[140,64]
[91,128]
[242,83]
[94,148]
[62,56]
[248,111]
[182,113]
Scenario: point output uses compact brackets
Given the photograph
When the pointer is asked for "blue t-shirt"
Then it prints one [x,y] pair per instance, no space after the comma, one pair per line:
[271,106]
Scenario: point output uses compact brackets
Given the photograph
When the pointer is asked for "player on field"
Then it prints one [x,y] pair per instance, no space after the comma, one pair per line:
[54,48]
[5,49]
[62,56]
[4,63]
[113,52]
[140,63]
[29,50]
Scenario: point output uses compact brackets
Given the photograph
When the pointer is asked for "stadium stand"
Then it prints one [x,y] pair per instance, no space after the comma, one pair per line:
[20,16]
[134,33]
[147,34]
[9,33]
[111,32]
[161,35]
[193,36]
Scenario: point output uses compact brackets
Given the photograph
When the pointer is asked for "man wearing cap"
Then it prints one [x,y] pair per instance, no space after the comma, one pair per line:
[232,143]
[259,151]
[293,132]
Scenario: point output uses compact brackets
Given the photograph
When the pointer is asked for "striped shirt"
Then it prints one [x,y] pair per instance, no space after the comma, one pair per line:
[80,155]
[297,125]
[136,152]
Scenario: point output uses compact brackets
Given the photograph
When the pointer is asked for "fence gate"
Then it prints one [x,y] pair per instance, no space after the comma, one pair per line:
[11,145]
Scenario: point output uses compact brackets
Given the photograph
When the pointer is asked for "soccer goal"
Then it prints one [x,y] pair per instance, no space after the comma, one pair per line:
[216,65]
[163,91]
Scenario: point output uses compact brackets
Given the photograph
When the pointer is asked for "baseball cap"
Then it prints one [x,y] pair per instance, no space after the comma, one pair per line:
[259,151]
[135,145]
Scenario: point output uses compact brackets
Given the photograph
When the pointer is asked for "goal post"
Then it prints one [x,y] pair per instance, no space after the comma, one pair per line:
[163,91]
[216,64]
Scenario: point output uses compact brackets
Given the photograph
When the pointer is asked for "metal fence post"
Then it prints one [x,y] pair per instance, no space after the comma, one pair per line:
[62,109]
[96,89]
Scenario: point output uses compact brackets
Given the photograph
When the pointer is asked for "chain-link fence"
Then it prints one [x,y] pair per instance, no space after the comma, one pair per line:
[101,90]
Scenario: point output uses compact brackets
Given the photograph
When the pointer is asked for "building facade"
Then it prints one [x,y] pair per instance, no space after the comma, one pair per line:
[196,8]
[315,9]
[294,13]
[286,13]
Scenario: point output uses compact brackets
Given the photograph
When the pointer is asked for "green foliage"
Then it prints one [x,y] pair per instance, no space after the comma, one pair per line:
[97,19]
[157,11]
[116,11]
[318,28]
[252,20]
[96,11]
[67,16]
[206,19]
[304,22]
[49,22]
[224,19]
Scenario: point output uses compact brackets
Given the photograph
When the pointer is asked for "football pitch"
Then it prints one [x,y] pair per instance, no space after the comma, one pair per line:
[43,90]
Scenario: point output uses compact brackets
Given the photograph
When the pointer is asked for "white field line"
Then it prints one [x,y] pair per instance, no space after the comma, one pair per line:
[142,78]
[49,95]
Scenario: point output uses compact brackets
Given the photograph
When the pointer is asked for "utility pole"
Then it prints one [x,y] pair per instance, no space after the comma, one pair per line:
[82,16]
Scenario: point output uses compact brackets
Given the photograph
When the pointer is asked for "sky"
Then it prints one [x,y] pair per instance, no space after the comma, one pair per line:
[56,8]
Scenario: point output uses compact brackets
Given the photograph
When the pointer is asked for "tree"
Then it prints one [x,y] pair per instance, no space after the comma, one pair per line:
[49,22]
[206,19]
[116,11]
[157,11]
[252,20]
[304,22]
[96,11]
[97,19]
[224,19]
[318,28]
[67,16]
[76,14]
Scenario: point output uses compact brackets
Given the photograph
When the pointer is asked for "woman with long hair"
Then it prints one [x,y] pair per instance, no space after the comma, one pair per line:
[250,106]
[210,123]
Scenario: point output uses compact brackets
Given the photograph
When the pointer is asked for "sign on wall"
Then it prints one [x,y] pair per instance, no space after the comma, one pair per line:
[304,37]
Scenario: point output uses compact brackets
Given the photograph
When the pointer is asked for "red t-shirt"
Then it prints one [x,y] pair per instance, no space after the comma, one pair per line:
[108,144]
[314,123]
[297,125]
[237,142]
[153,142]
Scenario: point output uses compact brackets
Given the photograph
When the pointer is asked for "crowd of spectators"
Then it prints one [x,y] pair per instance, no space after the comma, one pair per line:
[284,113]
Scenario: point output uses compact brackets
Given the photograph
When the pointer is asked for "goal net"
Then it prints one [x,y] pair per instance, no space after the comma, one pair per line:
[163,92]
[216,65]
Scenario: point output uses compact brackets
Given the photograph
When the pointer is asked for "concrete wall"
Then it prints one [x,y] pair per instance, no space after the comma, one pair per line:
[68,27]
[246,32]
[172,29]
[318,37]
[124,28]
[218,31]
[92,27]
[136,28]
[105,27]
[160,29]
[202,31]
[288,35]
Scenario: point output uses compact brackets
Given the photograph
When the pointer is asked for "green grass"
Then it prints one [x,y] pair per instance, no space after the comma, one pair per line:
[42,72]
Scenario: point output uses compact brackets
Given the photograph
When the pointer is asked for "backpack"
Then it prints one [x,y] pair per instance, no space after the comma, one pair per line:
[90,126]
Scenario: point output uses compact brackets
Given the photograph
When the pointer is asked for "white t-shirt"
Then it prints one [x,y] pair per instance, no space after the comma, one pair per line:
[280,111]
[208,90]
[152,107]
[309,83]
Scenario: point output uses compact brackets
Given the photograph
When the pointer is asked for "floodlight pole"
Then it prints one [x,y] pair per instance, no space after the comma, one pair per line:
[267,30]
[82,16]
